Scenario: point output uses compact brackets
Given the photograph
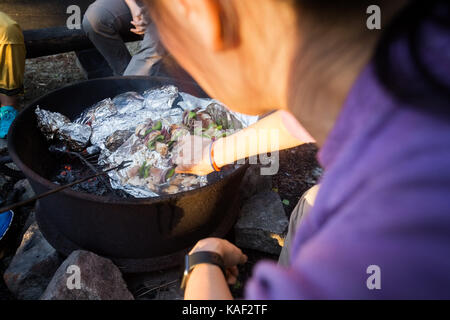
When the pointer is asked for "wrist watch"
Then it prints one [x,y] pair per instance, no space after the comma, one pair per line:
[201,257]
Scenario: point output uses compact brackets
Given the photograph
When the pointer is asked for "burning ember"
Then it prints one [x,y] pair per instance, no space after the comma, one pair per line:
[68,173]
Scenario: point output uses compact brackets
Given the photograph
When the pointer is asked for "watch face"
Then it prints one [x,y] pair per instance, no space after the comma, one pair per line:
[186,272]
[187,266]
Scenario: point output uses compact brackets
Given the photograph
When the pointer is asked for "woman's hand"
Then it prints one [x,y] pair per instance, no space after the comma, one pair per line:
[232,256]
[192,155]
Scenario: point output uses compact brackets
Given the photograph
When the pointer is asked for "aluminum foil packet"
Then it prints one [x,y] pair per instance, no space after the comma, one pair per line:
[57,126]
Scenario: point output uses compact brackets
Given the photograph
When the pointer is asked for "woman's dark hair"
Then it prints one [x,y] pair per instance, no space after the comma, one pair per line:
[416,84]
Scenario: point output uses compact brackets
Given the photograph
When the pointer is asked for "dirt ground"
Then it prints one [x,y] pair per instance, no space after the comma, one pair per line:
[299,169]
[43,75]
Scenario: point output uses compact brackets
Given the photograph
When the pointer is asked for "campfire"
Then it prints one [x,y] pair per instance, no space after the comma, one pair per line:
[139,232]
[75,170]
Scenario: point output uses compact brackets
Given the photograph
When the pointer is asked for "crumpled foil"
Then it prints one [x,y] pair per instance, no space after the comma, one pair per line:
[113,123]
[57,126]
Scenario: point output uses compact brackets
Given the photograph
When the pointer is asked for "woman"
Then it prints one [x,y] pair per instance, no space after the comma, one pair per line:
[376,102]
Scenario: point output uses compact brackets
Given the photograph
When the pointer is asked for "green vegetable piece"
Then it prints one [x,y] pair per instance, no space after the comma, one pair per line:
[286,202]
[160,138]
[141,171]
[144,171]
[170,173]
[147,172]
[157,126]
[192,115]
[151,144]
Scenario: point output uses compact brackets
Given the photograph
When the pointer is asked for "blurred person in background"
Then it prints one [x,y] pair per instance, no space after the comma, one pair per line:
[12,67]
[106,21]
[377,104]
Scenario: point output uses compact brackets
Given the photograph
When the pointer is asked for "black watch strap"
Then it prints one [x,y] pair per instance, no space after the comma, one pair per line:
[201,257]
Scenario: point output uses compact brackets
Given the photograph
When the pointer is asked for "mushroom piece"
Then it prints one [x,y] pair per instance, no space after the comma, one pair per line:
[162,149]
[141,130]
[178,132]
[206,119]
[118,138]
[189,181]
[152,186]
[172,189]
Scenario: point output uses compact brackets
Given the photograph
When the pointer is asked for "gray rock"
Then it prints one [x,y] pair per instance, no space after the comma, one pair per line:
[3,145]
[13,166]
[263,224]
[3,181]
[32,267]
[99,279]
[31,219]
[25,185]
[134,47]
[253,182]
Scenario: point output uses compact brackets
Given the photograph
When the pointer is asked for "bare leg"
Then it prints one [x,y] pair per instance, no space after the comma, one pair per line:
[8,100]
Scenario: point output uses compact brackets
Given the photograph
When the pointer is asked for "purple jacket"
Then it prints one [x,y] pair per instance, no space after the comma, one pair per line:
[384,199]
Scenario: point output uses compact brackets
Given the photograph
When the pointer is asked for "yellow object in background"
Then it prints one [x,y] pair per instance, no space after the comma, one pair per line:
[12,56]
